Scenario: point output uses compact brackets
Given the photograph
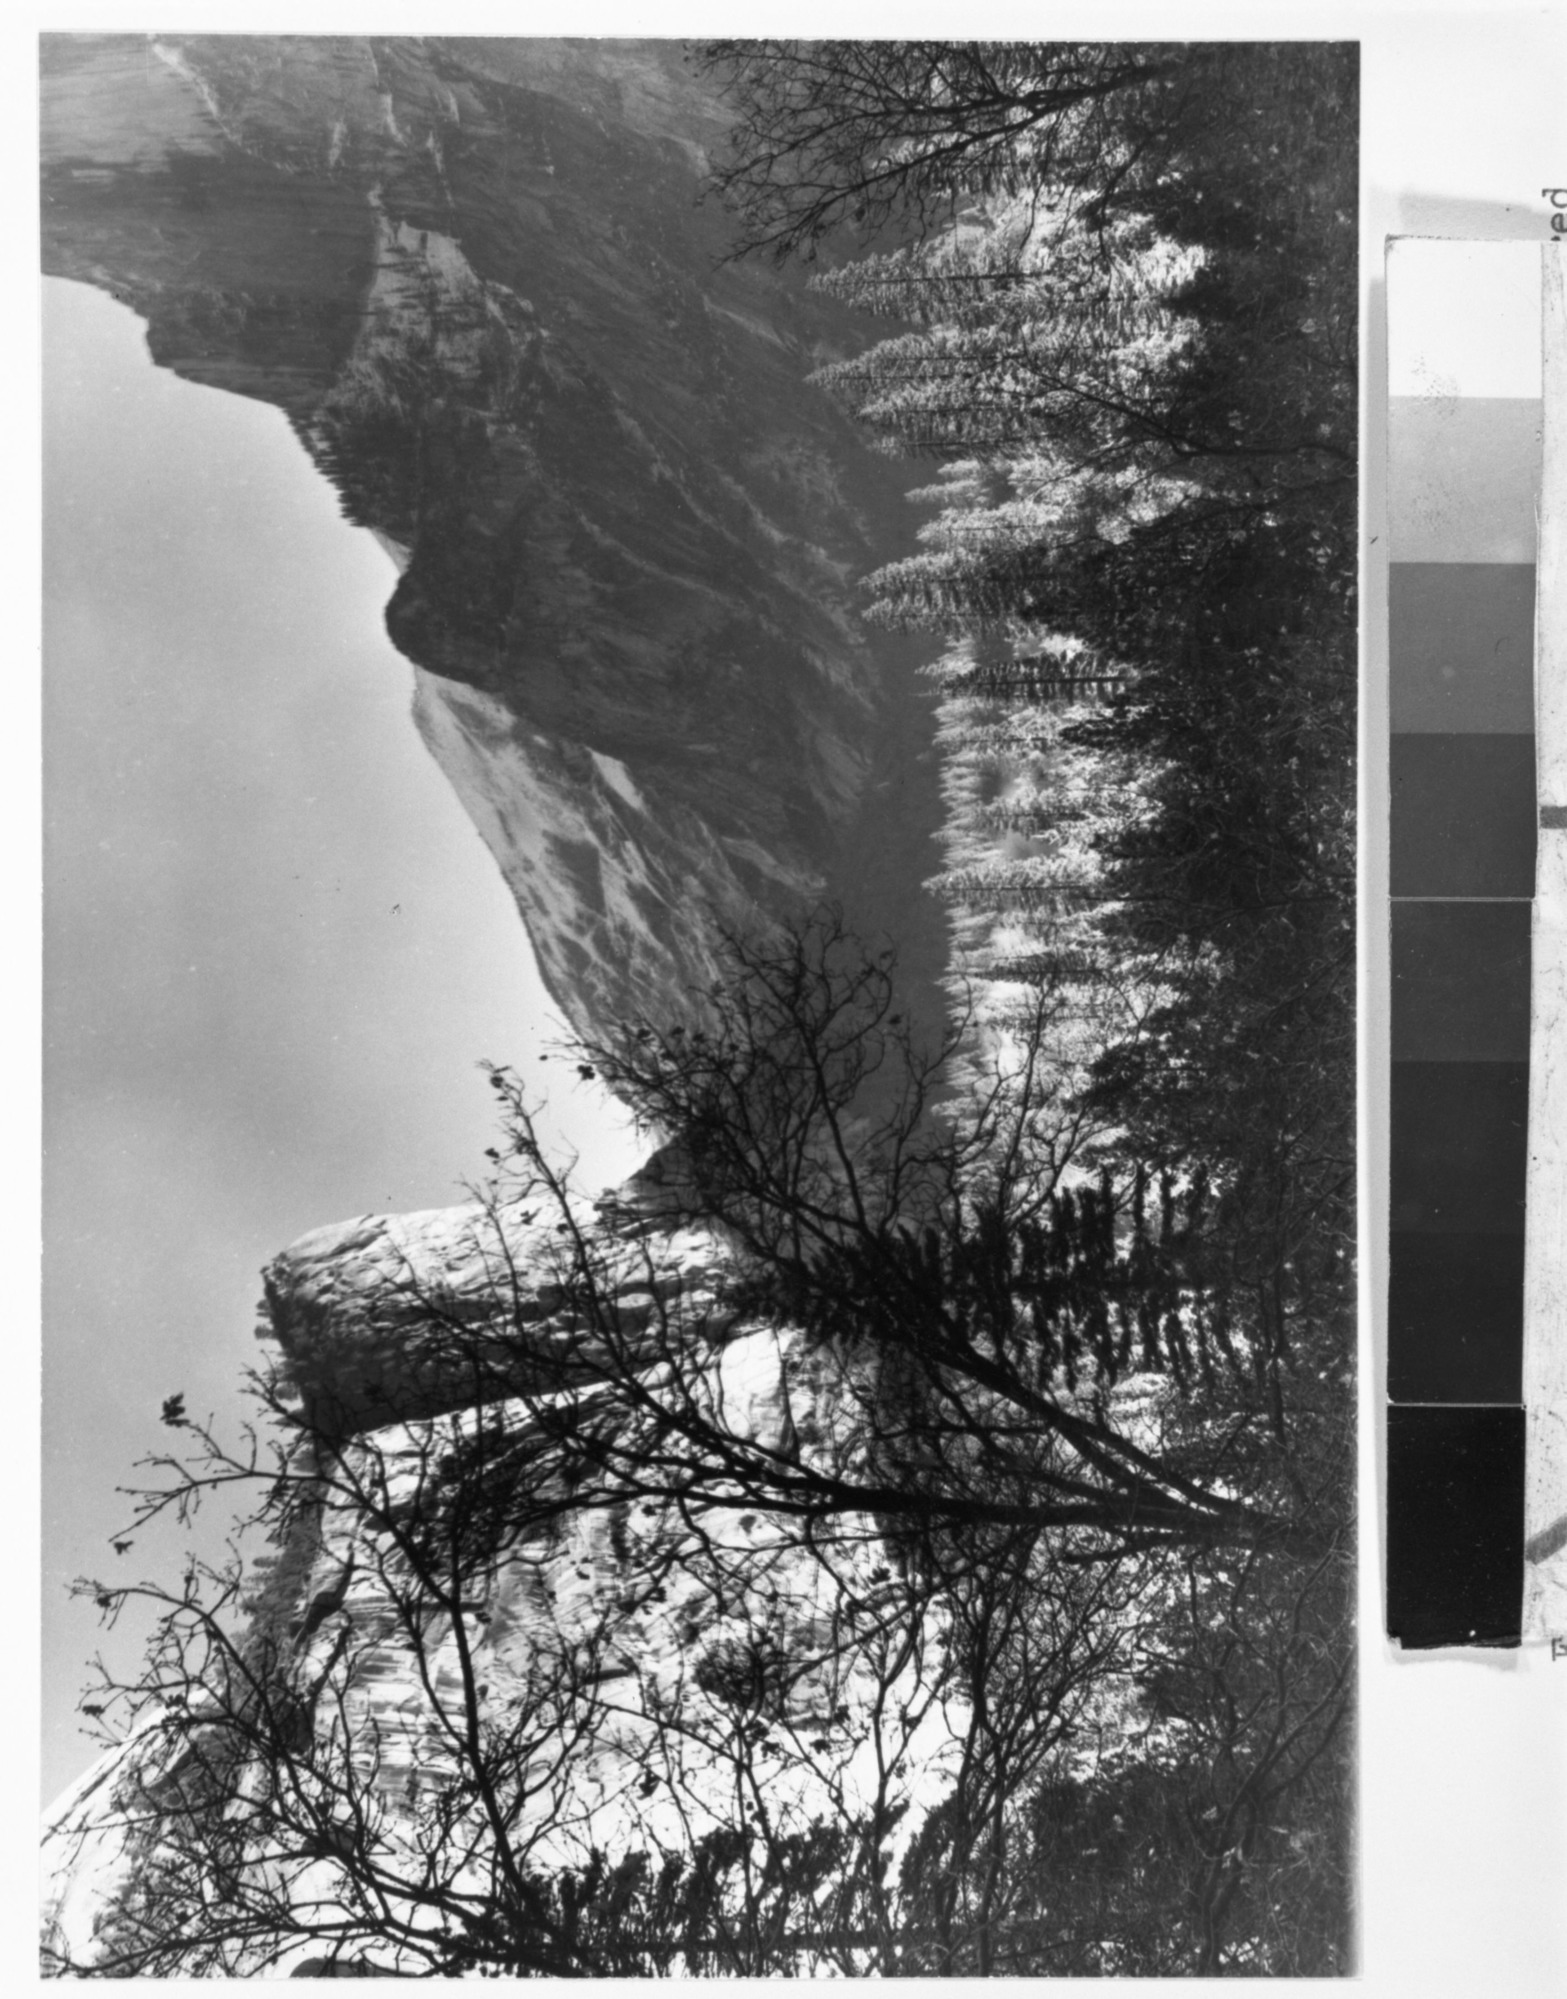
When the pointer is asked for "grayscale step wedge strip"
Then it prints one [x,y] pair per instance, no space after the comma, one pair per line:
[1464,451]
[1545,1228]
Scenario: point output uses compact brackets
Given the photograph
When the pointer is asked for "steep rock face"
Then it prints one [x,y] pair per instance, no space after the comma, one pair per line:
[476,277]
[622,1645]
[389,1314]
[479,279]
[648,1663]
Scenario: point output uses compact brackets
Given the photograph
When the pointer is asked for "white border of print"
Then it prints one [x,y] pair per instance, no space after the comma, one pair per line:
[1463,1757]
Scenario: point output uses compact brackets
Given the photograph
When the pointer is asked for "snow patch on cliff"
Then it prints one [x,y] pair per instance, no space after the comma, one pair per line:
[618,778]
[600,883]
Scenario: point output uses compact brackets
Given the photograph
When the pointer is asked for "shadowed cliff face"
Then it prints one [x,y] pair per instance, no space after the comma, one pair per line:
[479,279]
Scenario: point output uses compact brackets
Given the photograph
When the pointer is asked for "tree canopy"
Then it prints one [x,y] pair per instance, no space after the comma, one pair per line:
[869,133]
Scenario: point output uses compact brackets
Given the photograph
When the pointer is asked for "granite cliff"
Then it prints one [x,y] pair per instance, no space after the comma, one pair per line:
[481,282]
[646,1657]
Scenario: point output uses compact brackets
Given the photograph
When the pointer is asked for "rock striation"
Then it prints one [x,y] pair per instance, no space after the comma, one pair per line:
[480,280]
[628,1647]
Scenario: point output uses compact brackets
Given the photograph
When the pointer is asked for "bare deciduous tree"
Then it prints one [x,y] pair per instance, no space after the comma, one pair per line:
[859,133]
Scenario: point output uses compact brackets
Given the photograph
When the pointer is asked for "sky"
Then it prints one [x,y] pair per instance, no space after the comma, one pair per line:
[275,949]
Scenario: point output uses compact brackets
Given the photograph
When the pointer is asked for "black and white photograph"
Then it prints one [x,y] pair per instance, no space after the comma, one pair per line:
[715,1008]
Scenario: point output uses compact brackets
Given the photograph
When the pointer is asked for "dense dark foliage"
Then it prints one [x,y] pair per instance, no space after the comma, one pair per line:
[1127,279]
[1146,416]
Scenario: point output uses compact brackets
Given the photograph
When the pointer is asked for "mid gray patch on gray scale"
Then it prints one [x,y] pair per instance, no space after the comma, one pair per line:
[1461,648]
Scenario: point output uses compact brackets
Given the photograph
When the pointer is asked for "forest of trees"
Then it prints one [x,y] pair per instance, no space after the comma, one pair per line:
[1140,388]
[956,1455]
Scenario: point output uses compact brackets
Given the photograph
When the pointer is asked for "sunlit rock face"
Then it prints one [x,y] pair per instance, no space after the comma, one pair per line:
[479,278]
[650,1662]
[88,1849]
[389,1315]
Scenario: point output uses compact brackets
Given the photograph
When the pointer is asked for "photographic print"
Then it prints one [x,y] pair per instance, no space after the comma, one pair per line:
[701,717]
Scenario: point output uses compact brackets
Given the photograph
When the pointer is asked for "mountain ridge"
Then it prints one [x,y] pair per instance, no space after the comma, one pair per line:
[481,283]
